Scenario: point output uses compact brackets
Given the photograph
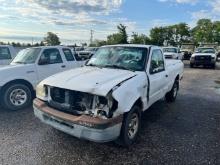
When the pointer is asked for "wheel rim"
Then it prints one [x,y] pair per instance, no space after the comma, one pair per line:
[18,97]
[133,126]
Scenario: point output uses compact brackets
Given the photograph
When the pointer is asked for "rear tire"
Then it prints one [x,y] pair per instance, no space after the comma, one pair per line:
[130,127]
[171,96]
[16,97]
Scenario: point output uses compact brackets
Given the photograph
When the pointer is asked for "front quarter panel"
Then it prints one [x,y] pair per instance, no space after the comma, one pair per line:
[11,73]
[130,91]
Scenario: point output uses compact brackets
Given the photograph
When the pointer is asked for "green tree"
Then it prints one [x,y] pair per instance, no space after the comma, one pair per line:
[118,38]
[42,43]
[203,32]
[139,39]
[170,35]
[216,31]
[52,39]
[158,35]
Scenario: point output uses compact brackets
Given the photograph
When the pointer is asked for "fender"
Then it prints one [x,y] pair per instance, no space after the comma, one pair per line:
[129,92]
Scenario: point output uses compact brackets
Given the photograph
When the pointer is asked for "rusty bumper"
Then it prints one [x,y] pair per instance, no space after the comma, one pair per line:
[86,127]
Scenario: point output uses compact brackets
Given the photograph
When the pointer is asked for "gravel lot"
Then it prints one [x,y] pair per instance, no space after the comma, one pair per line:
[185,132]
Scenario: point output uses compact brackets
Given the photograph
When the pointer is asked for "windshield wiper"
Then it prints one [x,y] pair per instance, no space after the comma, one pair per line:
[94,65]
[117,67]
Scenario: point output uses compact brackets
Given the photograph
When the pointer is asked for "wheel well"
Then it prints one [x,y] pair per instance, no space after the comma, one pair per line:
[139,103]
[177,78]
[21,81]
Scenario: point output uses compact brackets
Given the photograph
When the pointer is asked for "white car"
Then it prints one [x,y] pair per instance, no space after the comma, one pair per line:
[172,53]
[87,53]
[103,101]
[29,67]
[205,56]
[7,53]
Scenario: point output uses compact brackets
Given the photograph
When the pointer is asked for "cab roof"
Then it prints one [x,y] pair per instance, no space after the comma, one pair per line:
[132,45]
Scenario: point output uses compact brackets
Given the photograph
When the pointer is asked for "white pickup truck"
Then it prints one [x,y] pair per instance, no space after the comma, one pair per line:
[172,53]
[7,53]
[103,101]
[205,56]
[29,67]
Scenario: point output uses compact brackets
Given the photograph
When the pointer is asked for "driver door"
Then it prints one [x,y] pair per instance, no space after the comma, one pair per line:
[50,62]
[157,76]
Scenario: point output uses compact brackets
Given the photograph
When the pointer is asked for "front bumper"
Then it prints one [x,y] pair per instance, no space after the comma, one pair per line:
[84,127]
[202,62]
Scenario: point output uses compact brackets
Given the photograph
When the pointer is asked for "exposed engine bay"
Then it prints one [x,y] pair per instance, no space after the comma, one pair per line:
[79,103]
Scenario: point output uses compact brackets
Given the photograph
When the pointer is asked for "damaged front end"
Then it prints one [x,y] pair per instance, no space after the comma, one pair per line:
[80,103]
[80,114]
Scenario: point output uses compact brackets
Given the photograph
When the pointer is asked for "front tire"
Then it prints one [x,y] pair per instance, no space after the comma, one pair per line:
[171,96]
[16,97]
[130,127]
[213,66]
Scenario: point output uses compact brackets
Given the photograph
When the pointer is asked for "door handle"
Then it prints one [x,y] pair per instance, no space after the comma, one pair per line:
[63,66]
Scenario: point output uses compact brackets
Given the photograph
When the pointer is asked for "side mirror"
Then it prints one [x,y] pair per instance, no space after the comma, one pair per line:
[44,61]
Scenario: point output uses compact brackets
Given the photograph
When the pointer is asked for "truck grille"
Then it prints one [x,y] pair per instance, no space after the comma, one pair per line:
[168,56]
[72,102]
[203,58]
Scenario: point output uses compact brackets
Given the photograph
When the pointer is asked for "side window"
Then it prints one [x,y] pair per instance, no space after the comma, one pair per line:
[68,54]
[5,53]
[157,62]
[50,56]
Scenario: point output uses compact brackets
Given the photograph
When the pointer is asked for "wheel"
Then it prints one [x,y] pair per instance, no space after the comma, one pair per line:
[191,65]
[130,127]
[171,96]
[16,97]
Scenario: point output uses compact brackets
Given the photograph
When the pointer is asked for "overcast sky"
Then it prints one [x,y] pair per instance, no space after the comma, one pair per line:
[72,20]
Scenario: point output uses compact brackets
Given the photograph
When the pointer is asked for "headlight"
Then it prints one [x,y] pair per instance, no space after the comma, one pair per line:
[105,106]
[41,92]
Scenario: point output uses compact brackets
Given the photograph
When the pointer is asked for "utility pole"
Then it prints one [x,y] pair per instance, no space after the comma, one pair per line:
[32,40]
[91,37]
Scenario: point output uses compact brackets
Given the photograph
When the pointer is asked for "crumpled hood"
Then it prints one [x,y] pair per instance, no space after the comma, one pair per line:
[89,79]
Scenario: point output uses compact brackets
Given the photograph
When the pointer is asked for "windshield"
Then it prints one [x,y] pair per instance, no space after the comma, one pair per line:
[170,50]
[205,50]
[128,58]
[27,56]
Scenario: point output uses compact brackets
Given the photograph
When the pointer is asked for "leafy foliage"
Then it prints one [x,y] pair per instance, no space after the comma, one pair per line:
[118,38]
[52,39]
[139,39]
